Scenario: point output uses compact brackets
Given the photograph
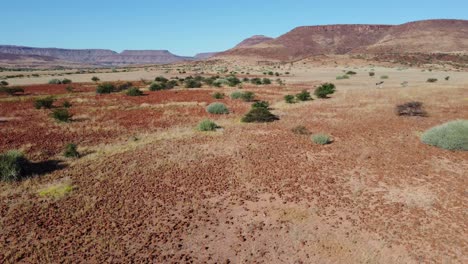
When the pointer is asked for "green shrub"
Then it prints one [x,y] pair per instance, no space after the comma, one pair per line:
[11,90]
[105,88]
[217,108]
[259,115]
[218,95]
[192,83]
[371,74]
[236,95]
[256,81]
[124,86]
[233,81]
[161,79]
[289,99]
[270,73]
[46,102]
[266,81]
[171,84]
[95,79]
[157,86]
[431,80]
[303,96]
[447,78]
[324,90]
[11,165]
[207,125]
[410,109]
[66,81]
[4,83]
[61,115]
[321,139]
[71,151]
[134,92]
[261,104]
[55,81]
[69,89]
[247,96]
[300,130]
[384,77]
[351,73]
[66,104]
[452,135]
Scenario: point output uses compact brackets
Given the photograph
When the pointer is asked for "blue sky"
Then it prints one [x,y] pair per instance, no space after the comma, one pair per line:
[189,27]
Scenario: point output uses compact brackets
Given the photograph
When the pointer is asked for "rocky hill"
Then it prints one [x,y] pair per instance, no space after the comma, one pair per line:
[429,36]
[254,40]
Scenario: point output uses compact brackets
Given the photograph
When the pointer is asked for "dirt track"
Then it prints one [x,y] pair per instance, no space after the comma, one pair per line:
[249,193]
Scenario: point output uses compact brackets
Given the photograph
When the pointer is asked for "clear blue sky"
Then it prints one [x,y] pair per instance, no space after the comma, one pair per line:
[189,27]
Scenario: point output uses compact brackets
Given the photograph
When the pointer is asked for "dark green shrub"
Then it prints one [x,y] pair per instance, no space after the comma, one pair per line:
[161,79]
[218,95]
[371,74]
[105,88]
[157,86]
[266,81]
[66,104]
[192,83]
[61,115]
[4,83]
[259,115]
[351,73]
[256,81]
[261,104]
[171,84]
[55,81]
[124,86]
[217,108]
[71,151]
[46,102]
[207,125]
[452,135]
[289,98]
[303,96]
[447,78]
[134,92]
[270,73]
[95,79]
[324,90]
[431,80]
[236,95]
[66,81]
[233,81]
[321,139]
[11,165]
[247,96]
[70,89]
[410,109]
[245,79]
[342,77]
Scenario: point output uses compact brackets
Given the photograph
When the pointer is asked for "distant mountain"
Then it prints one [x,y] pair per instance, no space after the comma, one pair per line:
[205,55]
[444,36]
[97,56]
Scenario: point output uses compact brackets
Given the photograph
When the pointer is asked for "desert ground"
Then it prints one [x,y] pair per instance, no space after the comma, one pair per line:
[150,187]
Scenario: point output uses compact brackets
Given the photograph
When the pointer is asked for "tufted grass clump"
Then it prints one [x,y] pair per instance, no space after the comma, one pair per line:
[217,108]
[207,125]
[11,165]
[452,135]
[321,139]
[71,151]
[56,191]
[236,95]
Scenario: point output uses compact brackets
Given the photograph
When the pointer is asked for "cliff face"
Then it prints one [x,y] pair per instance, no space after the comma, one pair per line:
[420,36]
[97,56]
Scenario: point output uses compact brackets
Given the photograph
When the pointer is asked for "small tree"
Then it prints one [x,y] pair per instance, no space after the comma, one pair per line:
[324,90]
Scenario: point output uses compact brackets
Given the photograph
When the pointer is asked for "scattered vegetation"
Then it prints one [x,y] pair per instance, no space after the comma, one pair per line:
[342,77]
[432,80]
[95,79]
[71,151]
[207,125]
[371,74]
[324,90]
[218,95]
[261,104]
[452,135]
[410,109]
[217,108]
[11,90]
[351,73]
[66,104]
[289,98]
[46,102]
[105,88]
[321,139]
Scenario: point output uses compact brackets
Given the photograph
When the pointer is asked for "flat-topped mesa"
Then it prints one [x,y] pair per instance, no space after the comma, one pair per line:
[146,53]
